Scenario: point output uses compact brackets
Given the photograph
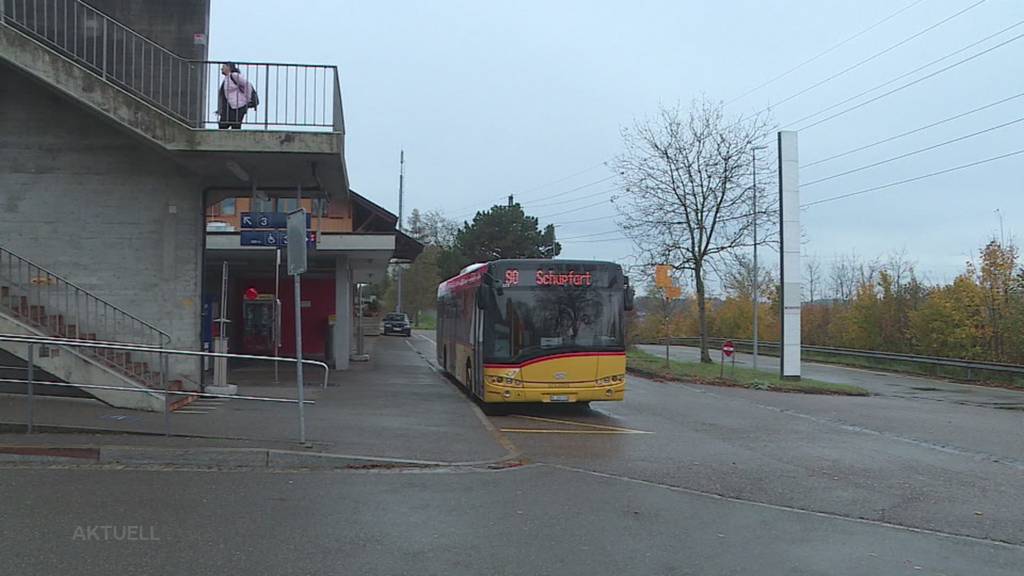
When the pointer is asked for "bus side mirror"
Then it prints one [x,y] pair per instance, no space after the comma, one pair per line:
[484,297]
[629,296]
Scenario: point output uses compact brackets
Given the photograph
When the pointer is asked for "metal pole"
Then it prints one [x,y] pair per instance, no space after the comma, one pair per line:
[753,156]
[166,385]
[359,321]
[277,310]
[298,341]
[298,356]
[401,198]
[31,385]
[105,48]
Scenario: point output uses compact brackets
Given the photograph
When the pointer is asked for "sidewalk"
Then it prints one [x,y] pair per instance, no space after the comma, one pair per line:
[393,408]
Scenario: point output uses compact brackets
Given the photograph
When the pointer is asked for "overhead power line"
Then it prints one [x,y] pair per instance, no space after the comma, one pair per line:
[595,241]
[571,200]
[559,194]
[914,179]
[564,178]
[546,216]
[911,83]
[465,209]
[914,131]
[591,235]
[912,153]
[908,73]
[826,51]
[875,55]
[610,216]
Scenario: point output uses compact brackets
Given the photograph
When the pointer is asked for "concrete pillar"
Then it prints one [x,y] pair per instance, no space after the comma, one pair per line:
[343,313]
[789,253]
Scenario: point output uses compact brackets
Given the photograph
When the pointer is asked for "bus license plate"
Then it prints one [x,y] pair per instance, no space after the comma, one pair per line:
[559,397]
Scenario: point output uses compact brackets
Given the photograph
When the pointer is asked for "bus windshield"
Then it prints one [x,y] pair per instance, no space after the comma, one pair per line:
[529,322]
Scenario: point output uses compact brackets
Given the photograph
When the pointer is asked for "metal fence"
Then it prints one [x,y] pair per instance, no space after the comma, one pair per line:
[970,367]
[34,343]
[290,95]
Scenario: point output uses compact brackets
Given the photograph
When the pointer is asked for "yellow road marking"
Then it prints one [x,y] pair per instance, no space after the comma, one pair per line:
[584,424]
[549,431]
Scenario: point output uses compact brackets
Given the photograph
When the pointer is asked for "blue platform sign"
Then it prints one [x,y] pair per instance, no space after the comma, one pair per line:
[272,238]
[264,220]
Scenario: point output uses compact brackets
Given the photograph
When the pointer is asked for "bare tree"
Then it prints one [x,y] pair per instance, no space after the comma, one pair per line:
[843,276]
[900,268]
[687,196]
[868,272]
[812,273]
[738,277]
[432,227]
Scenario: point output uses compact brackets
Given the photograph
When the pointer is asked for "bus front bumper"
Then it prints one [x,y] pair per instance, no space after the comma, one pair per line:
[493,393]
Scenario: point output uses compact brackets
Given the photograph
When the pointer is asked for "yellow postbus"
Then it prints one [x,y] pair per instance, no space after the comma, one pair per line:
[535,330]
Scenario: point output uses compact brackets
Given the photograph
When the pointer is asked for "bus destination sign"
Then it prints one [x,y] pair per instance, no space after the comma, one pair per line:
[549,277]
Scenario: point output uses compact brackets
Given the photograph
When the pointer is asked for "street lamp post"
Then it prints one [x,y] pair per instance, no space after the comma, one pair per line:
[756,280]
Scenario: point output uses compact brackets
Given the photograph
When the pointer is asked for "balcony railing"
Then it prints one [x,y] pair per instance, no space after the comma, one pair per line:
[291,96]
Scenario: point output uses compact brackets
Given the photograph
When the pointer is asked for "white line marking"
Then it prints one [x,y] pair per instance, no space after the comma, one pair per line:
[829,515]
[550,431]
[584,424]
[427,339]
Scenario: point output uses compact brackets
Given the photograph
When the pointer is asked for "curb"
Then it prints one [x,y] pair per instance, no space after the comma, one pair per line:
[270,459]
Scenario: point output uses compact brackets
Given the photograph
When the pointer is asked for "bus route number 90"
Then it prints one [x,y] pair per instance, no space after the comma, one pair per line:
[512,277]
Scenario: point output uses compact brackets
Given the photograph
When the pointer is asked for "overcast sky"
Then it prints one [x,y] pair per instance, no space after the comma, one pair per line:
[528,97]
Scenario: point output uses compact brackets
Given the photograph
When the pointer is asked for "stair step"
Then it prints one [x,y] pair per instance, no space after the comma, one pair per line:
[180,401]
[56,321]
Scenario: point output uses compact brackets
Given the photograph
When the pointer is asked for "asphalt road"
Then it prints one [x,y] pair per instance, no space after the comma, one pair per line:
[534,520]
[677,479]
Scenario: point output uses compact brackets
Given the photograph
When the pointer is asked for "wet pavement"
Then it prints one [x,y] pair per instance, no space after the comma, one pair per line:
[395,406]
[676,479]
[539,519]
[931,465]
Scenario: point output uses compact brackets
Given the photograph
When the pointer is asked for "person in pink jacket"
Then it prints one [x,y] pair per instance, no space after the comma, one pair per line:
[235,95]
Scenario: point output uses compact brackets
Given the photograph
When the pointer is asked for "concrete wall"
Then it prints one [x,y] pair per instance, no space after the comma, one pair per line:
[170,23]
[102,208]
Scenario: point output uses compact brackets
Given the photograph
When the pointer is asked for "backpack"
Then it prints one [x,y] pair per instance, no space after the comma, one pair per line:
[254,100]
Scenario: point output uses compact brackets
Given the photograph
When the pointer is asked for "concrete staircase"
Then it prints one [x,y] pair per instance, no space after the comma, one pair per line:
[37,302]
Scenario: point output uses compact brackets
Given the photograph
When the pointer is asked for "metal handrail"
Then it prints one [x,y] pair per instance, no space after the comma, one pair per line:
[74,343]
[182,88]
[175,392]
[164,336]
[33,341]
[876,354]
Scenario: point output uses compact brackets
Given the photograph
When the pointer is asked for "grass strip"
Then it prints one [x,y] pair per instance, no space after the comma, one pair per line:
[645,364]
